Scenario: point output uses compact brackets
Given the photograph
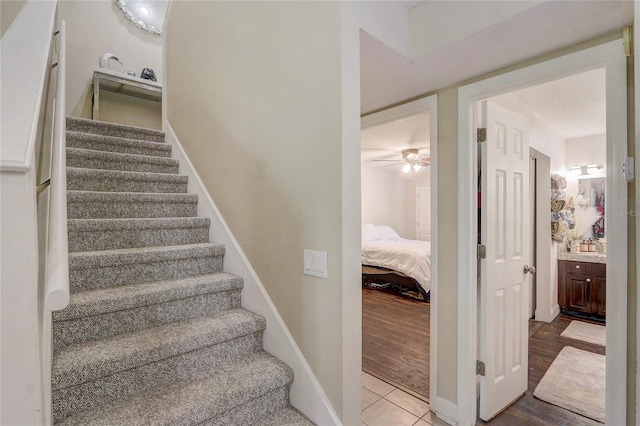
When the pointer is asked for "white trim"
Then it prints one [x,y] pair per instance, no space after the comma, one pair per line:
[446,410]
[306,393]
[546,302]
[611,56]
[429,103]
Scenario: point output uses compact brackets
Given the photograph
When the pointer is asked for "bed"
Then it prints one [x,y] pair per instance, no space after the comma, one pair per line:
[390,261]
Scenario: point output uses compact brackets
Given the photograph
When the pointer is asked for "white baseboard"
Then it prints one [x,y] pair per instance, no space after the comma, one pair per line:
[445,410]
[555,311]
[306,393]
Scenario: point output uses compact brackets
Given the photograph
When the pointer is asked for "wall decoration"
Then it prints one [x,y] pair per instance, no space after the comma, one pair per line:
[561,209]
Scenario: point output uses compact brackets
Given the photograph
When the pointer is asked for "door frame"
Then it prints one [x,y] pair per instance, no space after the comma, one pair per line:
[546,293]
[610,56]
[428,103]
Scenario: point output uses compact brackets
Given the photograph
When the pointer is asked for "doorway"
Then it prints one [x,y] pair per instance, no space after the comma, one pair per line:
[423,171]
[611,56]
[564,118]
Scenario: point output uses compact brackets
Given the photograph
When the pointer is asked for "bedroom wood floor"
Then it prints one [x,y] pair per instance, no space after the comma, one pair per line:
[395,348]
[395,340]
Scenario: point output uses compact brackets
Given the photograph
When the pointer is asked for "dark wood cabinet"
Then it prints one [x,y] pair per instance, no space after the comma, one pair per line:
[582,287]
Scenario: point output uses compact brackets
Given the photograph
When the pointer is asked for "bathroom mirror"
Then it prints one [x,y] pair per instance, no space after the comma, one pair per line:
[148,15]
[592,193]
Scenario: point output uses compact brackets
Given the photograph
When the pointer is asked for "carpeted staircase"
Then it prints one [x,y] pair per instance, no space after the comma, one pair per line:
[155,332]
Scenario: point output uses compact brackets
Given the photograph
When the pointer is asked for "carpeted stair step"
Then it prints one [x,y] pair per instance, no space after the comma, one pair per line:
[120,181]
[287,416]
[94,373]
[110,234]
[102,205]
[92,159]
[112,129]
[207,395]
[99,314]
[88,361]
[90,270]
[255,412]
[116,144]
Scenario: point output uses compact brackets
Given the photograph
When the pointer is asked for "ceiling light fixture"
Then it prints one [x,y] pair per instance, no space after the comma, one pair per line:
[406,168]
[144,10]
[417,167]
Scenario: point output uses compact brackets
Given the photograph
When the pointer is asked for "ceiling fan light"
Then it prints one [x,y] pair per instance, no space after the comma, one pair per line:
[406,168]
[417,167]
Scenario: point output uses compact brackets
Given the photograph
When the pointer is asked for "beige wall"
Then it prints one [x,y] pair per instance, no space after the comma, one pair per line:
[255,100]
[447,203]
[9,9]
[98,27]
[383,198]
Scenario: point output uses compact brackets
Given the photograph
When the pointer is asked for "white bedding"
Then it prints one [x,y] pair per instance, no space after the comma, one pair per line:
[411,257]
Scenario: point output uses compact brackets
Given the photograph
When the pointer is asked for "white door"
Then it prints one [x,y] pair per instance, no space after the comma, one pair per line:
[423,213]
[505,232]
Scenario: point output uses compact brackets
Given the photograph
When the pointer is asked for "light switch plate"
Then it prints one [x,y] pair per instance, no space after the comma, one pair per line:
[315,263]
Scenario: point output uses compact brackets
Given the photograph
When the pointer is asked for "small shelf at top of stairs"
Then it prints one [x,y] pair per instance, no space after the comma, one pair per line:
[155,333]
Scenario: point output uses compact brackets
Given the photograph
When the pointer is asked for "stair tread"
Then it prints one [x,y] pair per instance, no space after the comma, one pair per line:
[104,258]
[112,299]
[123,157]
[287,416]
[81,172]
[88,361]
[119,140]
[142,197]
[206,395]
[74,122]
[79,225]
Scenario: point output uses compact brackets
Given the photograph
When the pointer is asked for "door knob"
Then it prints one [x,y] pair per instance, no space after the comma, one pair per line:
[529,269]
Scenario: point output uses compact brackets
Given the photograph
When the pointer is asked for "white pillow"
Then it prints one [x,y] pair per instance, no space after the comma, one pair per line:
[369,233]
[387,233]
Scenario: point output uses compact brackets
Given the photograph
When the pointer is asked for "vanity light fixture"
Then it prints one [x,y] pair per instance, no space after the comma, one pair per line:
[581,170]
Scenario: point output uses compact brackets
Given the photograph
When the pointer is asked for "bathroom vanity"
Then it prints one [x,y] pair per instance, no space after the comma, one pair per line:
[582,283]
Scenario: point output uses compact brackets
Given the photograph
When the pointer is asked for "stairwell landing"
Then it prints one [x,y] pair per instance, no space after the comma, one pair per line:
[155,332]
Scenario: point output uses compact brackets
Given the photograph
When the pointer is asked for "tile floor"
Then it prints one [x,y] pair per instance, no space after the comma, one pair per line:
[386,405]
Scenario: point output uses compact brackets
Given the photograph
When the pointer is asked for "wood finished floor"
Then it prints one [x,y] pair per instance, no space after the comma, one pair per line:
[395,340]
[395,348]
[545,343]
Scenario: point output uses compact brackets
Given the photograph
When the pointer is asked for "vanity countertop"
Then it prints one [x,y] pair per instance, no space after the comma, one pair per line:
[591,257]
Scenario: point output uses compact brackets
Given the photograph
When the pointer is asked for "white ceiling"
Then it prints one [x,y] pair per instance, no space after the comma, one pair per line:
[388,78]
[385,141]
[571,107]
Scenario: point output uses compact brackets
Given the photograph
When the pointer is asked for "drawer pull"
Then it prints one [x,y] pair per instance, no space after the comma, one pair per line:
[588,280]
[577,266]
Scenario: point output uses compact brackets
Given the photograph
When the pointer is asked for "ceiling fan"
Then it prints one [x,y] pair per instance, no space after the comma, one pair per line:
[410,160]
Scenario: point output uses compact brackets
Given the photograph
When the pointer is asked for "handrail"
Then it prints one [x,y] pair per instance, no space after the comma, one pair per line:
[56,286]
